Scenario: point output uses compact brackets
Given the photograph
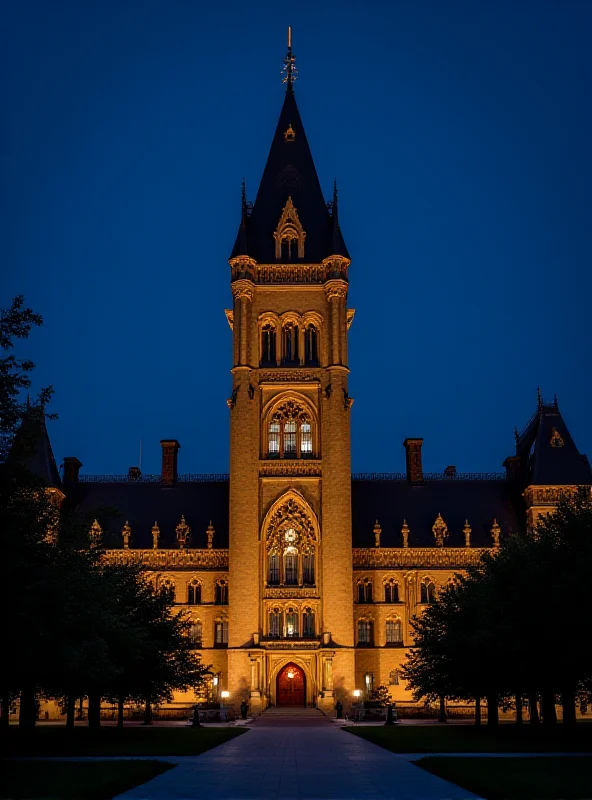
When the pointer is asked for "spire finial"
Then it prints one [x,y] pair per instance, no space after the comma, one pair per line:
[289,71]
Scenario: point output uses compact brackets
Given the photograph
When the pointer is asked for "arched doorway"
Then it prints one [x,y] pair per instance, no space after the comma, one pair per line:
[291,686]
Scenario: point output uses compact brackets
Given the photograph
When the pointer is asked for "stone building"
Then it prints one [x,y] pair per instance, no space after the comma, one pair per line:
[301,579]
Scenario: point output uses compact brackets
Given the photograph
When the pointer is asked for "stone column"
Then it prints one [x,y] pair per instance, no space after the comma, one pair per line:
[243,294]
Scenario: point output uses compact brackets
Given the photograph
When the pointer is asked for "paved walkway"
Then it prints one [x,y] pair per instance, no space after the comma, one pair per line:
[297,763]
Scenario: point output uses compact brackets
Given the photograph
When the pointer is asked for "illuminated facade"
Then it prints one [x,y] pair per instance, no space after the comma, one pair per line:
[301,579]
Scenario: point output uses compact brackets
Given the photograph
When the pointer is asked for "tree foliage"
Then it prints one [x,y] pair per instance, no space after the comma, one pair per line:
[517,623]
[73,625]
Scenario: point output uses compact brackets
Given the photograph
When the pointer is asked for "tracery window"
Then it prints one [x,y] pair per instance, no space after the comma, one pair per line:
[290,542]
[394,631]
[273,571]
[291,623]
[308,623]
[221,634]
[311,340]
[365,591]
[275,623]
[194,592]
[365,632]
[168,587]
[268,345]
[290,343]
[391,591]
[221,593]
[427,591]
[195,633]
[290,432]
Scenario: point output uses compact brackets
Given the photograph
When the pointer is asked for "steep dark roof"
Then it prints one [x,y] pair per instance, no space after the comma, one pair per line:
[141,504]
[32,449]
[289,172]
[546,464]
[392,501]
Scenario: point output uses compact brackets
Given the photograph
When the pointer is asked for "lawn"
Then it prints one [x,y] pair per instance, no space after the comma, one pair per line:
[471,739]
[149,741]
[549,778]
[74,780]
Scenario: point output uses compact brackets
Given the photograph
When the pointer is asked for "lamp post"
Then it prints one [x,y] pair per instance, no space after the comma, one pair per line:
[224,695]
[357,693]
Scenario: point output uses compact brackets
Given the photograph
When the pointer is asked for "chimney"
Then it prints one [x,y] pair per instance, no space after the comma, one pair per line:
[413,458]
[71,469]
[134,474]
[450,471]
[170,450]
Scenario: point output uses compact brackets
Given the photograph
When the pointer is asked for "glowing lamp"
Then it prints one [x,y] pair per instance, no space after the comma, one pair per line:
[215,680]
[357,692]
[290,673]
[224,695]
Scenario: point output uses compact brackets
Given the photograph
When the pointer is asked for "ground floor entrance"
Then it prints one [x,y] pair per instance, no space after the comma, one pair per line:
[291,686]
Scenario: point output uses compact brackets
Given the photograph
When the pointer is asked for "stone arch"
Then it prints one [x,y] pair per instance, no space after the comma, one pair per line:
[312,686]
[290,510]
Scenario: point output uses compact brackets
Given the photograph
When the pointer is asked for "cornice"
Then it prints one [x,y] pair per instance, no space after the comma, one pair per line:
[162,559]
[407,558]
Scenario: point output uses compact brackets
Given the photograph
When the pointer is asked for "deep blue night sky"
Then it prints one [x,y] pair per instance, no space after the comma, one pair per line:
[459,132]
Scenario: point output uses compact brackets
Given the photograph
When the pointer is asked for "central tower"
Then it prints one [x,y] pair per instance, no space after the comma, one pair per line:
[290,558]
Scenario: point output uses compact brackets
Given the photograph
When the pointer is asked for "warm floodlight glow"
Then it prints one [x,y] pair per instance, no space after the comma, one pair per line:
[215,680]
[224,695]
[290,673]
[357,692]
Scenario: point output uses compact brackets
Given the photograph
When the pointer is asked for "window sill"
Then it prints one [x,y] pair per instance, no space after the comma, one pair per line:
[394,644]
[220,646]
[365,644]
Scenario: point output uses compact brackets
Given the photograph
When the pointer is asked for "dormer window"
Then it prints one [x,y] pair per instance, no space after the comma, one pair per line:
[289,235]
[289,134]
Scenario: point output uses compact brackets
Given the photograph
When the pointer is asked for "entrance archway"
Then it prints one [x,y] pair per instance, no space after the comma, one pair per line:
[291,686]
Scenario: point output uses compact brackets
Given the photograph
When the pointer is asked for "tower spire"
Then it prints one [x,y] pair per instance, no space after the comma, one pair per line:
[289,71]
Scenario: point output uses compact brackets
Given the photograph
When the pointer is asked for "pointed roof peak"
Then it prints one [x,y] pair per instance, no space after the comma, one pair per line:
[290,171]
[32,449]
[289,70]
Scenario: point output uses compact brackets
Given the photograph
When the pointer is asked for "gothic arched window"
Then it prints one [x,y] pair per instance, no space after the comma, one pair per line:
[311,343]
[275,623]
[194,592]
[365,591]
[365,632]
[273,571]
[290,432]
[268,345]
[167,587]
[391,591]
[427,591]
[290,343]
[394,631]
[308,623]
[221,593]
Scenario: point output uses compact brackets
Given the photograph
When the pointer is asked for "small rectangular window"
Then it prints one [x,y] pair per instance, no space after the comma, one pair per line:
[274,438]
[290,437]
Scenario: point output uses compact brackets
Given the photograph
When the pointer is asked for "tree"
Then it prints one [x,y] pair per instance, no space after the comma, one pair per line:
[381,695]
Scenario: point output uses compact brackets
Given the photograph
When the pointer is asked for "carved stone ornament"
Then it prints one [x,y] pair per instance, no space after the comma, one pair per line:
[495,533]
[187,560]
[95,533]
[293,520]
[288,468]
[183,533]
[242,289]
[467,533]
[289,134]
[350,317]
[347,400]
[293,376]
[126,535]
[377,532]
[336,290]
[556,440]
[405,533]
[210,531]
[289,227]
[155,535]
[291,410]
[231,402]
[440,531]
[229,317]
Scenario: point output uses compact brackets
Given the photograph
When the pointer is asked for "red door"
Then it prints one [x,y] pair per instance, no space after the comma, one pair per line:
[291,686]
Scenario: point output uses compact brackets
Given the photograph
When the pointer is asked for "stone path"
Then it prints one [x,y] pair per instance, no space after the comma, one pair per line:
[297,763]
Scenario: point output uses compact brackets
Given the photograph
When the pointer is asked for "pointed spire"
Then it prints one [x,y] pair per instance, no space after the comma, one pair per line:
[289,71]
